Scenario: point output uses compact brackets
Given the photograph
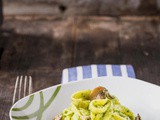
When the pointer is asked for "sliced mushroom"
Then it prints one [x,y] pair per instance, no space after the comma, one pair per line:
[58,117]
[100,93]
[138,117]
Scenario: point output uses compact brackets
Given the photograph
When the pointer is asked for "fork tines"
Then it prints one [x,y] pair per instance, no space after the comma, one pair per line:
[22,88]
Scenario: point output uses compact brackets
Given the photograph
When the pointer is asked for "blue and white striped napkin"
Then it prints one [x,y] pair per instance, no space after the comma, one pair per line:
[93,71]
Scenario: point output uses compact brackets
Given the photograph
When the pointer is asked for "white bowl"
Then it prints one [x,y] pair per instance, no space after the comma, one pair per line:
[139,96]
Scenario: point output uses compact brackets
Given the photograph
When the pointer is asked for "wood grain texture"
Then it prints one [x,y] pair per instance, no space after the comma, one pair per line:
[120,42]
[42,56]
[43,47]
[82,7]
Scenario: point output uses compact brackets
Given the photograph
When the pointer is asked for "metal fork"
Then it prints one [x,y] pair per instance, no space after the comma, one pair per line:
[22,88]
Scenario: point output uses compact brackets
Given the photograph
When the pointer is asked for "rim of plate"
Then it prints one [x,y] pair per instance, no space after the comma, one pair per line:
[82,80]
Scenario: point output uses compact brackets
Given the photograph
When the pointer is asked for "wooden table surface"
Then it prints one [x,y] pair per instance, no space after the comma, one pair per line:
[43,46]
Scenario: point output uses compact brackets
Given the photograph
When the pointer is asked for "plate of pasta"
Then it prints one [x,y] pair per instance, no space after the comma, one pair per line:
[103,98]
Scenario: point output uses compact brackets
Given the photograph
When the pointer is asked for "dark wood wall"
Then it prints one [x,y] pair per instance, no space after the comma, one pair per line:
[1,13]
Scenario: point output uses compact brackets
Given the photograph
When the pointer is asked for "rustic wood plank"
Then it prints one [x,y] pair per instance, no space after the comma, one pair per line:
[139,46]
[90,7]
[42,56]
[43,47]
[120,42]
[31,9]
[96,41]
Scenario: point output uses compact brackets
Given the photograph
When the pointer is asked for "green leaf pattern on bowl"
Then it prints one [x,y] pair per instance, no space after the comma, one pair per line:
[38,114]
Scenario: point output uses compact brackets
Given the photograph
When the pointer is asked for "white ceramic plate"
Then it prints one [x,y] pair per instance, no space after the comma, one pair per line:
[141,97]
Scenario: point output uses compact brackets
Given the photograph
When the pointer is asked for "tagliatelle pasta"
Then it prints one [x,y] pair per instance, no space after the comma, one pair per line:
[96,104]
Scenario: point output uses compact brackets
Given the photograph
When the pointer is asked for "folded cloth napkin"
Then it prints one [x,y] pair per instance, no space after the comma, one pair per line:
[93,71]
